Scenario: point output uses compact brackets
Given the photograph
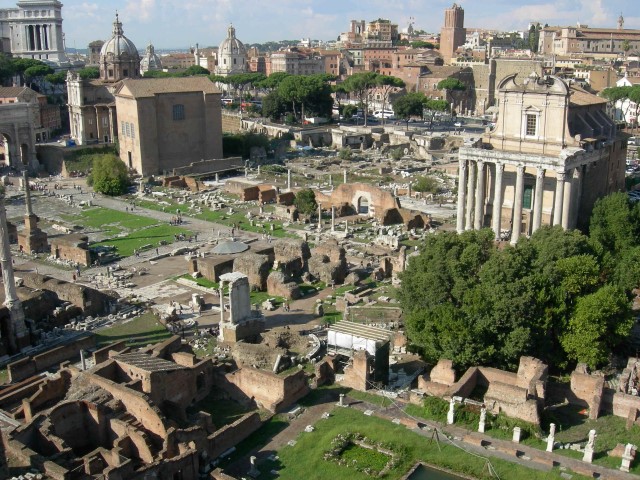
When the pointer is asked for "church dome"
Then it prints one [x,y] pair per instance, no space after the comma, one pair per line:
[231,45]
[150,60]
[118,45]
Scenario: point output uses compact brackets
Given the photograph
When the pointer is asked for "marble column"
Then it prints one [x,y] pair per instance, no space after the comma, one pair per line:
[333,219]
[516,223]
[471,196]
[537,201]
[497,200]
[567,203]
[462,193]
[17,332]
[558,198]
[479,213]
[577,195]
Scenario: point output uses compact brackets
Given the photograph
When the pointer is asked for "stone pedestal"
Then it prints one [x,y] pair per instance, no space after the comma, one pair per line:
[627,457]
[590,447]
[483,419]
[517,432]
[551,438]
[253,471]
[451,413]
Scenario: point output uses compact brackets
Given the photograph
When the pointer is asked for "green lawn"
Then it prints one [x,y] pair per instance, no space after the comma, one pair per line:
[146,236]
[307,455]
[140,331]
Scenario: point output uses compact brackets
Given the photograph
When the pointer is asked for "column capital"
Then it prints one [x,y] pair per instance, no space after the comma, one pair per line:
[462,163]
[520,169]
[480,163]
[561,175]
[540,173]
[499,167]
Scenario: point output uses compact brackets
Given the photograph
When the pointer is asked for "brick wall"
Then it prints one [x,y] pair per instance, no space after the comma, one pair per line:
[26,367]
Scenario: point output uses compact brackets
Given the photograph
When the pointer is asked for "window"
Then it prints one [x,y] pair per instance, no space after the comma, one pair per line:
[105,121]
[532,125]
[133,131]
[122,128]
[178,112]
[527,196]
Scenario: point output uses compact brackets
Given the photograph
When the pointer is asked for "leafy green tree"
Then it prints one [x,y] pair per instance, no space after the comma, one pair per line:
[87,73]
[433,107]
[273,106]
[273,81]
[600,322]
[421,44]
[552,296]
[409,105]
[451,84]
[37,73]
[57,81]
[305,202]
[349,111]
[310,92]
[345,153]
[426,184]
[7,68]
[109,175]
[194,70]
[387,85]
[361,84]
[157,74]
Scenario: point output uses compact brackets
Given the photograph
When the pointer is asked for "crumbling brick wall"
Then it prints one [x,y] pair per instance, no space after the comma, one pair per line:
[254,266]
[271,391]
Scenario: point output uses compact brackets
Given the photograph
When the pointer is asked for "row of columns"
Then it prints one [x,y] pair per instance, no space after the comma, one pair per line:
[38,37]
[472,190]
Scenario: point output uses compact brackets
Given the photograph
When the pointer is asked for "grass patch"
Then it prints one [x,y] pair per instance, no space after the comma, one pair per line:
[573,425]
[260,437]
[140,331]
[148,236]
[409,447]
[203,282]
[208,350]
[223,411]
[100,217]
[370,398]
[364,458]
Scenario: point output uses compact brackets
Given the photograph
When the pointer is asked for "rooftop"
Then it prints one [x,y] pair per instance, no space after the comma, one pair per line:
[149,87]
[147,362]
[361,330]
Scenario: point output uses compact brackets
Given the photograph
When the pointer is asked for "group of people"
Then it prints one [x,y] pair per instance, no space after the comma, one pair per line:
[176,220]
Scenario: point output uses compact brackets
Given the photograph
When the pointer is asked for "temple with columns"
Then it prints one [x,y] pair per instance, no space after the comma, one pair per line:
[552,153]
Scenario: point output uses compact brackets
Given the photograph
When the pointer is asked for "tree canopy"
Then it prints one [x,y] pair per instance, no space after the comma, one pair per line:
[87,73]
[305,201]
[451,84]
[561,296]
[109,175]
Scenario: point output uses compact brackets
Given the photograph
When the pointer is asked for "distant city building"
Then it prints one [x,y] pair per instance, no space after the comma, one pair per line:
[602,42]
[295,62]
[552,153]
[119,57]
[150,61]
[92,115]
[232,55]
[93,52]
[453,33]
[34,30]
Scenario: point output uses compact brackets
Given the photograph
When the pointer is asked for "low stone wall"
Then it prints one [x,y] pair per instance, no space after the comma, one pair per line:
[230,435]
[27,367]
[209,166]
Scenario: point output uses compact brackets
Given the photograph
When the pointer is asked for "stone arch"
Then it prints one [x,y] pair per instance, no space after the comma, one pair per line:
[9,152]
[16,133]
[362,205]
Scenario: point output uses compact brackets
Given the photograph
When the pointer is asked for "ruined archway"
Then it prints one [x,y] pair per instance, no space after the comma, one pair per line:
[17,136]
[363,206]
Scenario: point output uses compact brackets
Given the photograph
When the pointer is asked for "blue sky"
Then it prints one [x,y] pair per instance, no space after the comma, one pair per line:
[181,23]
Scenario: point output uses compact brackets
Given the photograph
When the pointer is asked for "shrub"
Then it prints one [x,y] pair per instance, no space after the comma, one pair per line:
[109,175]
[345,153]
[397,153]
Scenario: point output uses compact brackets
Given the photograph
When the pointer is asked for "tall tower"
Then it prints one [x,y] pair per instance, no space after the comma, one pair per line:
[453,34]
